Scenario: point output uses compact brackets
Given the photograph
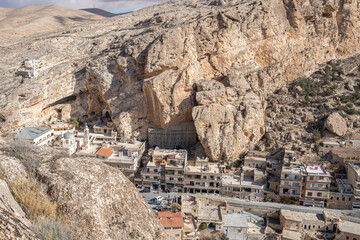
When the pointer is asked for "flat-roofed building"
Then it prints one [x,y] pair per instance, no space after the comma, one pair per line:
[107,128]
[304,221]
[317,186]
[165,169]
[203,177]
[353,174]
[291,183]
[36,135]
[124,155]
[342,197]
[348,231]
[255,159]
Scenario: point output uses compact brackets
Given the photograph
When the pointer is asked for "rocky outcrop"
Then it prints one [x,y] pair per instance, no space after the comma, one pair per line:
[13,224]
[143,67]
[228,119]
[336,124]
[99,201]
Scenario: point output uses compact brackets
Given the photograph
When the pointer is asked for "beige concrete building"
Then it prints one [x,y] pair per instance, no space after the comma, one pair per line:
[348,231]
[291,183]
[165,170]
[353,174]
[343,196]
[202,177]
[303,221]
[107,128]
[124,155]
[255,159]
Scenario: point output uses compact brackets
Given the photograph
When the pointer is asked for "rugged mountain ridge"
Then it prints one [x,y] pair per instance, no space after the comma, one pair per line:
[146,68]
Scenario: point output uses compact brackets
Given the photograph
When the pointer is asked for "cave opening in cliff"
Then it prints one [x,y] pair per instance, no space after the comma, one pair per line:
[106,115]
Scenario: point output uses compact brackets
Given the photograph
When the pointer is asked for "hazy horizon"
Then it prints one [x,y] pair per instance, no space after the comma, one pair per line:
[109,5]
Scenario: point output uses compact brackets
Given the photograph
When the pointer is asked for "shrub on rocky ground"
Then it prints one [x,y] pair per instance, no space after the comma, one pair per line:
[51,230]
[27,191]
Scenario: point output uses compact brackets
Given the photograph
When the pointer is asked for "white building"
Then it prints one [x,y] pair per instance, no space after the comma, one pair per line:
[36,135]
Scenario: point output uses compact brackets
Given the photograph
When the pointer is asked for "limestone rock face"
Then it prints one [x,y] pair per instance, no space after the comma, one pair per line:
[229,119]
[150,67]
[99,201]
[336,124]
[13,224]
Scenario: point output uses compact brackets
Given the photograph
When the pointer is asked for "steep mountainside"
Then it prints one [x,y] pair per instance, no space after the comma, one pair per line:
[95,200]
[26,21]
[209,62]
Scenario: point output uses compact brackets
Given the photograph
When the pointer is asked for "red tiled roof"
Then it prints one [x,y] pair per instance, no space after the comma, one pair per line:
[85,144]
[133,150]
[105,152]
[169,219]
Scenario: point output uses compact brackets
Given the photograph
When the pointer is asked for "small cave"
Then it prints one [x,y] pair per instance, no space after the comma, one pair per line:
[327,15]
[65,100]
[2,119]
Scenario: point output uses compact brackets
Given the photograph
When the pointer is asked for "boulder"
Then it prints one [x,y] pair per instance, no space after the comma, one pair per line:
[336,124]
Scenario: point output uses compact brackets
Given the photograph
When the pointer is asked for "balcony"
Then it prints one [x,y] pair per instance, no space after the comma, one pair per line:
[289,193]
[293,185]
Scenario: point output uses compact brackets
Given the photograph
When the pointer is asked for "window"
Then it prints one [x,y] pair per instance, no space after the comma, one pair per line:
[332,198]
[311,178]
[321,178]
[309,194]
[319,194]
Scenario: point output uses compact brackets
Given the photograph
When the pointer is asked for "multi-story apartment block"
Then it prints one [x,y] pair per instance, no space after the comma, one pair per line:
[291,183]
[353,174]
[316,184]
[124,155]
[203,177]
[165,170]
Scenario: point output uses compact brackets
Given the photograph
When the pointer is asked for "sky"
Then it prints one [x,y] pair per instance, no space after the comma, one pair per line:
[109,5]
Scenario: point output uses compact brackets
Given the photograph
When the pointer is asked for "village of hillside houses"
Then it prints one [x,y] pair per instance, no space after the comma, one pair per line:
[265,194]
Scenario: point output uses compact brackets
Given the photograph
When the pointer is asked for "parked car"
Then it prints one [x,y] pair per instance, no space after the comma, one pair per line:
[155,202]
[145,190]
[159,198]
[164,209]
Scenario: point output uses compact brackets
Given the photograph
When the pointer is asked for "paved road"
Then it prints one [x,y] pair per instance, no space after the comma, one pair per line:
[348,214]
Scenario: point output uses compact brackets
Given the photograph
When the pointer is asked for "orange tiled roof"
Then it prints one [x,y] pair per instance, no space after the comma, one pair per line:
[85,144]
[169,219]
[63,128]
[133,150]
[105,152]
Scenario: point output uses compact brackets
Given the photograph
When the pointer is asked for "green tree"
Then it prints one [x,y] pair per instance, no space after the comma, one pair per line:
[224,158]
[224,237]
[203,226]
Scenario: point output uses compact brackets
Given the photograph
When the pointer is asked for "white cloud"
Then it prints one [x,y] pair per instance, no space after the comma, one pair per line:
[78,4]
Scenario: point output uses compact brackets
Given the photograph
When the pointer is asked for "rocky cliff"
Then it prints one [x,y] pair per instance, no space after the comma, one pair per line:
[13,224]
[209,62]
[94,200]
